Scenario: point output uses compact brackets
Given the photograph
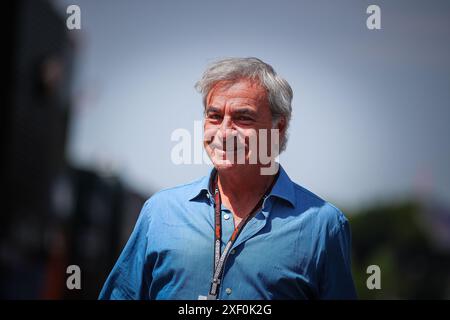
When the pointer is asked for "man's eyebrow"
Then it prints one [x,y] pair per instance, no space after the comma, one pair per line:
[211,109]
[244,111]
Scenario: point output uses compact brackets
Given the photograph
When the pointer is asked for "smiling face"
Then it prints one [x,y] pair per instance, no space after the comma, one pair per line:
[235,112]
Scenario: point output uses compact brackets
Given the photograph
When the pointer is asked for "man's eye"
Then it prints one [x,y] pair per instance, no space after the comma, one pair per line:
[244,119]
[215,116]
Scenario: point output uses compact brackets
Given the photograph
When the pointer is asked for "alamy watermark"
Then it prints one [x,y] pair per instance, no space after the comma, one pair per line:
[227,147]
[73,21]
[373,21]
[374,280]
[74,279]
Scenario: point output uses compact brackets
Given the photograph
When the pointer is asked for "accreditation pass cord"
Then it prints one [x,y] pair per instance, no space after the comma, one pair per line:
[221,258]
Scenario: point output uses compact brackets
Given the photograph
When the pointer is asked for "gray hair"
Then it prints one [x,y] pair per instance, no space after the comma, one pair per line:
[279,91]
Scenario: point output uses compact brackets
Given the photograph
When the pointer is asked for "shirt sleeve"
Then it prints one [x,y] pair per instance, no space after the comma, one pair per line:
[338,280]
[130,278]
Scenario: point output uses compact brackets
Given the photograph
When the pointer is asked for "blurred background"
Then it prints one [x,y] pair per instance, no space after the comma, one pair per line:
[87,117]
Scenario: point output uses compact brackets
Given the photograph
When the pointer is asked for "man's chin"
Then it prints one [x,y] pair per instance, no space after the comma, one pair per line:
[224,165]
[228,166]
[221,160]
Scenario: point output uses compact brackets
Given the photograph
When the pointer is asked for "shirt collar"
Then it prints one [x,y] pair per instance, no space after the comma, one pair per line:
[283,187]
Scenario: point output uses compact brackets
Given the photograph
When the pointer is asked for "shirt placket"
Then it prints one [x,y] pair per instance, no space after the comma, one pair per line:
[253,227]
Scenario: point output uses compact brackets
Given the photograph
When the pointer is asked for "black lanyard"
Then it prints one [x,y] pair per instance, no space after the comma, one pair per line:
[220,259]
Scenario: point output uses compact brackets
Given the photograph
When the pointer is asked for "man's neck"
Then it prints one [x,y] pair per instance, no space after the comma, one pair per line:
[241,189]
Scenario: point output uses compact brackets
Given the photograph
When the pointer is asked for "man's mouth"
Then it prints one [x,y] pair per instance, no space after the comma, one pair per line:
[217,147]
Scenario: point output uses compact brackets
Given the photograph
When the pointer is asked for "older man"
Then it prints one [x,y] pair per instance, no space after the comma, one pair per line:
[244,231]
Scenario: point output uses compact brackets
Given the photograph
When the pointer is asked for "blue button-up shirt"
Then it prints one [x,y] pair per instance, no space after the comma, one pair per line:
[296,247]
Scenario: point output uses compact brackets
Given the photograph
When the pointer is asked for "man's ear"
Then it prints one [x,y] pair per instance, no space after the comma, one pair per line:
[281,125]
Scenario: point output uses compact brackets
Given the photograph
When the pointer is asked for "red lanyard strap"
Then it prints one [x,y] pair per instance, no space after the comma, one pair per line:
[220,258]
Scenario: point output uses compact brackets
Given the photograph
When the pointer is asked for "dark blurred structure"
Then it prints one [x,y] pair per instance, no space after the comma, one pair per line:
[410,243]
[52,215]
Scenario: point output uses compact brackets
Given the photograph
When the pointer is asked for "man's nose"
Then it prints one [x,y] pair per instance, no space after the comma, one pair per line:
[227,133]
[220,133]
[226,127]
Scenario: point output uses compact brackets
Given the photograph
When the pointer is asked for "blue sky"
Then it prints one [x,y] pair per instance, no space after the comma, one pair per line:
[371,109]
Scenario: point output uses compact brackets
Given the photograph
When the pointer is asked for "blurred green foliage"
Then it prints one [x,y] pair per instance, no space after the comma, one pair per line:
[395,238]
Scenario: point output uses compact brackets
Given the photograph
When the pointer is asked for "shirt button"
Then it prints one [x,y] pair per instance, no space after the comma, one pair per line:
[228,290]
[233,251]
[226,216]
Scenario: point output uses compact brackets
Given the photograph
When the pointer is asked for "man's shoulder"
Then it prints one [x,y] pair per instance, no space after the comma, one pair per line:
[181,192]
[323,210]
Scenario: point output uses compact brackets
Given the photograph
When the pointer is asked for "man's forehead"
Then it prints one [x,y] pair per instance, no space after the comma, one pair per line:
[239,91]
[237,109]
[232,100]
[236,85]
